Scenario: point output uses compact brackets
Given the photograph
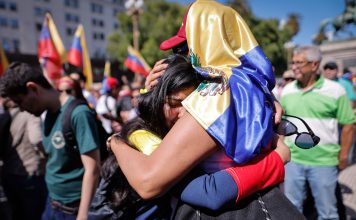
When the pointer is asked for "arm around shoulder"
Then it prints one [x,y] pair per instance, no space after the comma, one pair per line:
[184,147]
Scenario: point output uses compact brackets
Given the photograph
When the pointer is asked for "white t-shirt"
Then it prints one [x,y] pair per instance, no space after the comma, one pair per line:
[106,104]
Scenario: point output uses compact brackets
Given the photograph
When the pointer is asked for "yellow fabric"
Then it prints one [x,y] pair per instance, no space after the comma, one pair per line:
[217,36]
[144,141]
[87,71]
[57,41]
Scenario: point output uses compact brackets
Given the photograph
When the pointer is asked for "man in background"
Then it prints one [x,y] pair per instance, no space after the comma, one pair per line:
[323,104]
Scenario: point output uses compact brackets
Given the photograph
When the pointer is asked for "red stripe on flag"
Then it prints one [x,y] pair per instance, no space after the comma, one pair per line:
[135,67]
[75,57]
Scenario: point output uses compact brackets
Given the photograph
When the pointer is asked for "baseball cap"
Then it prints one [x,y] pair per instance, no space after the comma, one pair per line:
[330,65]
[177,39]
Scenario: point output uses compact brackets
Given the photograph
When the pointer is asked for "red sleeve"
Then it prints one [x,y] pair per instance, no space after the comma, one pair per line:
[260,173]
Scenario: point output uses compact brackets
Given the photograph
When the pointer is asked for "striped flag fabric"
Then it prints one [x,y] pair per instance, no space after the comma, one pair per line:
[136,63]
[3,61]
[237,109]
[78,55]
[51,52]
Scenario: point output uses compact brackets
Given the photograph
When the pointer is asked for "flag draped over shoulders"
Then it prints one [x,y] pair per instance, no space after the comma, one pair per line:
[136,63]
[51,52]
[78,55]
[236,108]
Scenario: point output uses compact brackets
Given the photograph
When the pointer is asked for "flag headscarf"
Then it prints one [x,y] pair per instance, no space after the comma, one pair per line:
[78,55]
[136,63]
[237,107]
[51,52]
[3,61]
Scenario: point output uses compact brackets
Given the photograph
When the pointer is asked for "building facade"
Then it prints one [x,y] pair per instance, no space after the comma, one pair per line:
[21,22]
[342,52]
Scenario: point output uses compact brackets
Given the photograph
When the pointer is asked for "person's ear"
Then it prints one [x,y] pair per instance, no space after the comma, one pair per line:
[31,86]
[315,65]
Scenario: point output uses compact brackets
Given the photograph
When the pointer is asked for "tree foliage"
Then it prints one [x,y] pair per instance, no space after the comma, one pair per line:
[158,21]
[270,35]
[161,20]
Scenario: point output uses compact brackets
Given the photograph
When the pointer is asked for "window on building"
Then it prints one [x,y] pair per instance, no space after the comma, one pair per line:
[116,26]
[13,6]
[114,12]
[101,23]
[96,8]
[102,36]
[16,45]
[71,3]
[3,22]
[2,5]
[38,27]
[14,24]
[6,44]
[70,31]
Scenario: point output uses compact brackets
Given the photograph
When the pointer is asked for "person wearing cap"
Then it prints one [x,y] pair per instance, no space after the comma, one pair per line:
[106,105]
[331,72]
[214,107]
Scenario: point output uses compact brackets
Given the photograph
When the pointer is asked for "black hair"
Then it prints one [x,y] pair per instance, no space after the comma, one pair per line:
[16,77]
[179,75]
[331,66]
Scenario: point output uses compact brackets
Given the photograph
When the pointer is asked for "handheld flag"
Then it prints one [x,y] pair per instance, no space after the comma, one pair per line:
[107,69]
[136,63]
[78,55]
[3,61]
[51,52]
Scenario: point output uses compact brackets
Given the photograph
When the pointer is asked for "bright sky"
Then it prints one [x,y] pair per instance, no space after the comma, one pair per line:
[312,12]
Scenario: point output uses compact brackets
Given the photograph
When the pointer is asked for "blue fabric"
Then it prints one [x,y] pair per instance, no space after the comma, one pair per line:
[212,191]
[322,181]
[246,126]
[54,214]
[350,92]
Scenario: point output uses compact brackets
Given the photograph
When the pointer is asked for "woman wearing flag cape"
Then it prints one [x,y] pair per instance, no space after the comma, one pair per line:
[231,111]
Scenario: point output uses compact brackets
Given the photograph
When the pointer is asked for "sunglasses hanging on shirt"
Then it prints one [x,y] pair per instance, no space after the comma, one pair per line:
[304,140]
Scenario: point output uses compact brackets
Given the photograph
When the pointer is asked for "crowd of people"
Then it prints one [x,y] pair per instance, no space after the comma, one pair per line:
[201,137]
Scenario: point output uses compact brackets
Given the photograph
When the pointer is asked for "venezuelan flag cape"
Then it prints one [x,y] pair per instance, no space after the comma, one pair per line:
[78,55]
[51,52]
[3,61]
[235,104]
[136,63]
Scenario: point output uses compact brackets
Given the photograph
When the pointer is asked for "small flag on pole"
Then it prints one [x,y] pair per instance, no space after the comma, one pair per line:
[136,63]
[51,52]
[78,55]
[107,69]
[3,61]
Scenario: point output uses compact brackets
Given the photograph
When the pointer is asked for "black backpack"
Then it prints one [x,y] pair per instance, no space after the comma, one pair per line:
[68,133]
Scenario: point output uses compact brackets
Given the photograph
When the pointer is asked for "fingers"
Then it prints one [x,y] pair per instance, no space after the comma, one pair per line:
[278,112]
[157,71]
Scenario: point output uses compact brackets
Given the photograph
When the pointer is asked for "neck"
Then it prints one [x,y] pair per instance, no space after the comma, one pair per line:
[56,100]
[309,82]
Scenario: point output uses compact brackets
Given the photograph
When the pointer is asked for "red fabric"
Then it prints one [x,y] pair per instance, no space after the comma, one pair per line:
[260,173]
[135,67]
[178,38]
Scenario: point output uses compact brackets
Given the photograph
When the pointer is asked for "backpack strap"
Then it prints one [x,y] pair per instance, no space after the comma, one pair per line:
[67,129]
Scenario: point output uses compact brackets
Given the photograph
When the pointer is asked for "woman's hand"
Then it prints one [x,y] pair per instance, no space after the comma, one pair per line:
[278,111]
[157,71]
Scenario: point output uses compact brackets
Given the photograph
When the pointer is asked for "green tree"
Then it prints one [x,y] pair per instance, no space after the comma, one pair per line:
[161,20]
[158,21]
[270,35]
